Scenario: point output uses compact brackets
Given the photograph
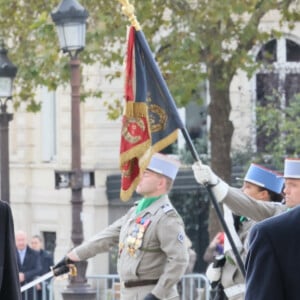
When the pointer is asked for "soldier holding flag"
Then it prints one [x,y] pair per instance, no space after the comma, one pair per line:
[259,183]
[264,239]
[153,252]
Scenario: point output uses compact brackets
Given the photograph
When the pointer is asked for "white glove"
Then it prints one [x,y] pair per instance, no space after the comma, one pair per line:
[213,274]
[205,176]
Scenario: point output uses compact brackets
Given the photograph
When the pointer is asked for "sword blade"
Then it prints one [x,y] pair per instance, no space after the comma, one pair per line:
[32,283]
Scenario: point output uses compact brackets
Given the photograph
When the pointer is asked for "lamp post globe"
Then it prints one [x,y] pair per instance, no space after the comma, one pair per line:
[8,72]
[70,20]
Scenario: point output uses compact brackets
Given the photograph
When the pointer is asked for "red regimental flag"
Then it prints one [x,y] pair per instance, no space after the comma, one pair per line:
[135,135]
[150,120]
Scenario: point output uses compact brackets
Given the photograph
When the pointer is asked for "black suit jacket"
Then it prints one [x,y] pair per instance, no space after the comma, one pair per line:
[31,266]
[46,261]
[273,260]
[9,275]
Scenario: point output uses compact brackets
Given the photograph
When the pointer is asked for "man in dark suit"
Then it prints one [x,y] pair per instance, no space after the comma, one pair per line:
[29,263]
[46,262]
[273,260]
[9,281]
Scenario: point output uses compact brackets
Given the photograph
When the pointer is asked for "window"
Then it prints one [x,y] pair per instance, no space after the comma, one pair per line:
[49,238]
[48,125]
[194,117]
[277,83]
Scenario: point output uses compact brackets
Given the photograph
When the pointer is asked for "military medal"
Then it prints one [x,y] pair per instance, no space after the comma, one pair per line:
[135,238]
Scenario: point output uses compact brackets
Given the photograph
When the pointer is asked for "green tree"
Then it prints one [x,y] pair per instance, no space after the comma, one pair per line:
[192,41]
[282,128]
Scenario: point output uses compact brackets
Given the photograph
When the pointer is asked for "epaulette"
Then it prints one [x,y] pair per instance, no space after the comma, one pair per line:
[167,208]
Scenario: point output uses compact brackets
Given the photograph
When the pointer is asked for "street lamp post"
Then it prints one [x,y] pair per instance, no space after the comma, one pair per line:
[70,20]
[8,72]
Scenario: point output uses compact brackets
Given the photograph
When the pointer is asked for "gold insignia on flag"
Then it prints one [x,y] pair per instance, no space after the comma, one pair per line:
[131,128]
[158,118]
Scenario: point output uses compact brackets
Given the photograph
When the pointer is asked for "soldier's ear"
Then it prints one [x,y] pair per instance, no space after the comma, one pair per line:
[264,195]
[162,182]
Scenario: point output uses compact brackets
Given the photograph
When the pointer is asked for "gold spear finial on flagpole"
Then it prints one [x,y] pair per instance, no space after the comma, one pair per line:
[128,10]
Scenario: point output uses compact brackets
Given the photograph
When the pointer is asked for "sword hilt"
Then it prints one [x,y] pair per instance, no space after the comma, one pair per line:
[71,269]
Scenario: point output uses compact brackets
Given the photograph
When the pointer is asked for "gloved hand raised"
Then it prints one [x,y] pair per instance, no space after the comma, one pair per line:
[150,297]
[205,176]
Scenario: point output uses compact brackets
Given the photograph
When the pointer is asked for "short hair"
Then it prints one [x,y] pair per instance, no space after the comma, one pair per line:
[169,183]
[274,197]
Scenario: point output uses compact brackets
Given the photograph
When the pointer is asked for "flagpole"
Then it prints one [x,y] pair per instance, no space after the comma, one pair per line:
[216,205]
[128,10]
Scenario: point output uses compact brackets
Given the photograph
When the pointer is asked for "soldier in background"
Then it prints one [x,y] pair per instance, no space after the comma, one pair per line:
[262,185]
[273,264]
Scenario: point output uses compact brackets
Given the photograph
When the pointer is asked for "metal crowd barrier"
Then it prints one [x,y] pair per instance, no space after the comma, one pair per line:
[46,293]
[191,287]
[194,287]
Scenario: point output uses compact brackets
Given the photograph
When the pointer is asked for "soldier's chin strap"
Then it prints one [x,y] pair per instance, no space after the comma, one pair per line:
[216,205]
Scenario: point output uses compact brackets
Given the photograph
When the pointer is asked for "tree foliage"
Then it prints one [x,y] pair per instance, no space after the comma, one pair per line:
[184,35]
[282,128]
[192,40]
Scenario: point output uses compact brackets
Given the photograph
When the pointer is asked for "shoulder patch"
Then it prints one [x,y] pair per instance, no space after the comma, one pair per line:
[180,237]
